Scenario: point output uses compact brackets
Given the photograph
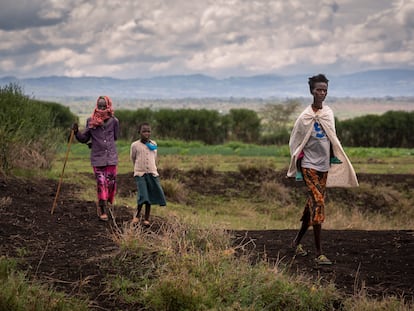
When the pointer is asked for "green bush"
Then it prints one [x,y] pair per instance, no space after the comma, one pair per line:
[393,129]
[130,120]
[30,130]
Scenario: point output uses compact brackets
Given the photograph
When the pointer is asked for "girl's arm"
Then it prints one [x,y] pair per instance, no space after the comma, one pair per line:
[85,135]
[133,153]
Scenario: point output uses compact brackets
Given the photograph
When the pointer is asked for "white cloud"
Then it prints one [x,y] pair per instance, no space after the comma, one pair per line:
[404,13]
[7,65]
[218,37]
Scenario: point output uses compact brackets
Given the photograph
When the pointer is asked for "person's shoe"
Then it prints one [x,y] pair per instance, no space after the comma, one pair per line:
[323,260]
[135,220]
[299,176]
[103,217]
[300,251]
[146,223]
[335,160]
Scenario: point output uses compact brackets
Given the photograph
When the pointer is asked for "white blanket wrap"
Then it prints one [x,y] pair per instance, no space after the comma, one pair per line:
[339,175]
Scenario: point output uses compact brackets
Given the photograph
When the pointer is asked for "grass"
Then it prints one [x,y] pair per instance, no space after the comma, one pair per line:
[229,157]
[239,213]
[223,157]
[188,268]
[196,269]
[191,265]
[18,293]
[382,160]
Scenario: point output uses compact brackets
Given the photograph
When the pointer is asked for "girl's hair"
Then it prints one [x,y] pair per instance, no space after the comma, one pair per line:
[141,125]
[315,79]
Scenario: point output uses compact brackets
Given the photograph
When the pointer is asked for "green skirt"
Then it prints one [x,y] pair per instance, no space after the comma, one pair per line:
[150,190]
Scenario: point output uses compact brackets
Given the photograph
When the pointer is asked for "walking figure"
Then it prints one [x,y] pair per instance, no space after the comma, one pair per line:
[317,158]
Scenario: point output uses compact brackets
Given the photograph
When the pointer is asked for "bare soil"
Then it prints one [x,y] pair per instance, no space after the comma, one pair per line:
[71,250]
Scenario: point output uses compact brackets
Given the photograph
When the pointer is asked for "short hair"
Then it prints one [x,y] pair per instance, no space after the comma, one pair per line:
[142,124]
[315,79]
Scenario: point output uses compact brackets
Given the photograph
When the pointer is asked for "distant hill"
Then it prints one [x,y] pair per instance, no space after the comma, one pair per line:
[377,83]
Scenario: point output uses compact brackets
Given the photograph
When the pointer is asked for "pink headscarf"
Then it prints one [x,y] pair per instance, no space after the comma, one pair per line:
[99,116]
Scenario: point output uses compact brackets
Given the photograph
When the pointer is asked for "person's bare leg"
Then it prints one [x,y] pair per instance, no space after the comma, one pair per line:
[321,259]
[137,216]
[304,227]
[102,206]
[147,214]
[317,234]
[301,232]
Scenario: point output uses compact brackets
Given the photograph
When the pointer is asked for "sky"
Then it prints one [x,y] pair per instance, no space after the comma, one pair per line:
[221,38]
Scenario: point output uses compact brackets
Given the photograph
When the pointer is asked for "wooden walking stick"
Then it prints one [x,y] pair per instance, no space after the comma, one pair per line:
[72,132]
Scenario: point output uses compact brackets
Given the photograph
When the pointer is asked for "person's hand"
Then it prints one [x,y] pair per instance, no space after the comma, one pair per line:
[75,127]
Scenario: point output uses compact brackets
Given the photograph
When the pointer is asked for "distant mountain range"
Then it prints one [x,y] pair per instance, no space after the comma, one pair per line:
[376,83]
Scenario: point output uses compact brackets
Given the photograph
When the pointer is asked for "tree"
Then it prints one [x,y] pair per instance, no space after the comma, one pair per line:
[276,120]
[244,125]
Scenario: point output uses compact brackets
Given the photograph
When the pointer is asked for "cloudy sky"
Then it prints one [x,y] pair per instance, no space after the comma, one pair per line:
[221,38]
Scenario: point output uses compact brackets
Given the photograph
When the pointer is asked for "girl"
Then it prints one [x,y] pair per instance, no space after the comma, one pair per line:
[143,155]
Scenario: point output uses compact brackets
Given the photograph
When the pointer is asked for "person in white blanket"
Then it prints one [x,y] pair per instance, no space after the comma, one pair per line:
[317,158]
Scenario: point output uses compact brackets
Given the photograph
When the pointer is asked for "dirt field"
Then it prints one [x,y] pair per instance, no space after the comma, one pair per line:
[72,249]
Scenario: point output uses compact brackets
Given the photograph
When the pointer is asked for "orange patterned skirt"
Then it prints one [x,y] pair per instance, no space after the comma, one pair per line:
[315,205]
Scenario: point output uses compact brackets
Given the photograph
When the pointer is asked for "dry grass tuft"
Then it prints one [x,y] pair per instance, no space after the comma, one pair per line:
[273,192]
[202,170]
[32,156]
[175,191]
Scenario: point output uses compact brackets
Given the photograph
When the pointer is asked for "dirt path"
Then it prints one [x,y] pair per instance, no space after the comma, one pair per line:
[72,250]
[379,262]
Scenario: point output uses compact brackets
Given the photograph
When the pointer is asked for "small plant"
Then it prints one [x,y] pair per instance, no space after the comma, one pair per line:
[202,169]
[5,201]
[22,252]
[274,192]
[174,191]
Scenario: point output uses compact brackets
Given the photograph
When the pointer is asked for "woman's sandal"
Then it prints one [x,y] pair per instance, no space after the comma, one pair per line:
[101,212]
[103,217]
[323,260]
[300,251]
